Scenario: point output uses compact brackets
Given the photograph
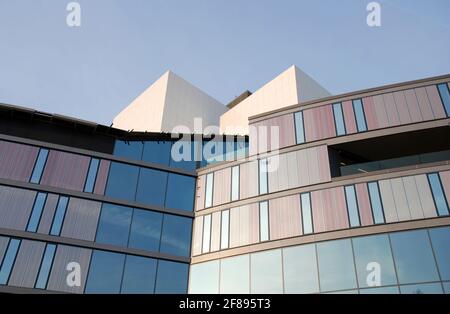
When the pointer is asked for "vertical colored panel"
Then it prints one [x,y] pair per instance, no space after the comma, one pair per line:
[324,163]
[46,264]
[438,194]
[375,202]
[36,213]
[248,180]
[435,101]
[329,210]
[402,107]
[317,203]
[349,117]
[215,231]
[391,109]
[412,197]
[17,161]
[102,177]
[81,219]
[380,111]
[390,212]
[313,165]
[310,125]
[339,208]
[234,227]
[285,217]
[26,266]
[222,186]
[401,204]
[445,97]
[3,246]
[365,210]
[65,170]
[200,193]
[285,123]
[445,179]
[15,207]
[352,206]
[413,105]
[424,104]
[339,119]
[302,167]
[198,235]
[278,178]
[426,198]
[371,115]
[92,174]
[360,116]
[8,260]
[293,171]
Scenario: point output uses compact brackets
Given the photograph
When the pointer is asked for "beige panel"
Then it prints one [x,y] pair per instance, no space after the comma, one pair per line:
[424,104]
[48,213]
[253,226]
[426,198]
[244,223]
[81,219]
[391,109]
[273,178]
[402,107]
[324,163]
[412,196]
[248,181]
[234,227]
[312,157]
[222,186]
[285,217]
[27,263]
[302,166]
[215,231]
[200,193]
[278,179]
[15,207]
[380,111]
[197,236]
[413,105]
[401,203]
[292,170]
[387,198]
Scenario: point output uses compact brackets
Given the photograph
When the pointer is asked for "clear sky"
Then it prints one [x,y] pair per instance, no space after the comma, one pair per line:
[223,47]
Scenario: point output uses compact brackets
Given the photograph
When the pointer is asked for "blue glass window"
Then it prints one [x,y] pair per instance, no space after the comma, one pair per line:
[171,277]
[299,129]
[180,192]
[235,183]
[129,150]
[39,166]
[440,238]
[263,176]
[264,221]
[438,194]
[209,190]
[375,201]
[224,229]
[380,290]
[206,241]
[184,154]
[122,181]
[105,272]
[176,235]
[114,224]
[339,119]
[445,97]
[8,260]
[151,187]
[306,213]
[145,230]
[359,114]
[59,216]
[46,265]
[352,206]
[139,275]
[92,174]
[300,269]
[427,288]
[157,152]
[37,212]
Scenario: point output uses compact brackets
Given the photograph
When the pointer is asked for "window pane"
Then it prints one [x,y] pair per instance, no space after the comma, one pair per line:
[206,233]
[139,275]
[374,249]
[151,187]
[427,288]
[266,276]
[37,212]
[352,206]
[129,150]
[446,287]
[234,274]
[413,257]
[440,238]
[445,96]
[180,192]
[299,130]
[157,152]
[225,225]
[59,215]
[105,272]
[263,176]
[145,230]
[375,201]
[339,119]
[306,213]
[235,183]
[92,174]
[381,290]
[176,235]
[172,277]
[204,278]
[185,152]
[114,224]
[8,260]
[46,265]
[438,194]
[359,113]
[300,269]
[209,189]
[263,221]
[122,181]
[39,166]
[336,268]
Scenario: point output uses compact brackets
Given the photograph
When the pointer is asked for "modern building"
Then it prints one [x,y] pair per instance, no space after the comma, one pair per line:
[327,194]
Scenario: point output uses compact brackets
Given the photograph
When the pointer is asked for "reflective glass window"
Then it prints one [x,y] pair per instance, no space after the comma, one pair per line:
[425,288]
[264,221]
[157,152]
[128,149]
[235,183]
[176,235]
[445,96]
[139,275]
[299,129]
[352,206]
[46,265]
[359,114]
[375,201]
[151,187]
[204,278]
[105,272]
[39,166]
[171,277]
[263,176]
[184,155]
[8,260]
[38,206]
[180,192]
[206,233]
[306,213]
[339,119]
[92,174]
[59,216]
[122,181]
[145,230]
[438,194]
[380,290]
[224,229]
[440,239]
[114,224]
[234,274]
[209,189]
[266,276]
[300,269]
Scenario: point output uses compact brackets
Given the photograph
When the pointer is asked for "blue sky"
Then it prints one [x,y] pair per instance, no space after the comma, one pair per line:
[223,47]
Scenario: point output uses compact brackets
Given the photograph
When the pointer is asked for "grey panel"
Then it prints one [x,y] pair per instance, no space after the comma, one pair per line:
[15,207]
[65,255]
[81,219]
[3,247]
[26,266]
[48,213]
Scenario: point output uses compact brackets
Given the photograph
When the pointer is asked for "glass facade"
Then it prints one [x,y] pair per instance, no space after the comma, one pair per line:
[39,166]
[37,212]
[359,114]
[299,127]
[339,119]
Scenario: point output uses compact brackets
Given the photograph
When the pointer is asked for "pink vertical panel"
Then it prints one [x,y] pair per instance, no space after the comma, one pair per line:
[285,217]
[365,210]
[445,178]
[387,197]
[349,117]
[293,172]
[310,125]
[248,179]
[197,236]
[234,227]
[200,193]
[222,186]
[371,115]
[253,227]
[65,170]
[253,139]
[286,132]
[424,104]
[215,231]
[402,107]
[313,165]
[338,207]
[17,161]
[435,101]
[380,111]
[303,167]
[318,211]
[102,177]
[426,198]
[329,127]
[413,105]
[329,209]
[391,109]
[324,163]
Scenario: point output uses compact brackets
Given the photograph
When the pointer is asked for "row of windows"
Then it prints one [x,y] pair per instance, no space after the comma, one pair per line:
[373,264]
[235,175]
[108,272]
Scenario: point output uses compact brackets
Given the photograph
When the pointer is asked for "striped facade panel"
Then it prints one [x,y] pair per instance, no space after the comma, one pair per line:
[402,107]
[248,179]
[303,167]
[278,178]
[3,246]
[286,131]
[215,231]
[27,263]
[48,213]
[412,196]
[391,109]
[285,217]
[425,196]
[365,209]
[17,161]
[349,117]
[329,210]
[387,197]
[253,138]
[81,219]
[222,186]
[413,105]
[65,255]
[293,173]
[424,104]
[370,113]
[319,123]
[65,170]
[102,177]
[197,236]
[401,203]
[435,101]
[244,225]
[380,112]
[445,179]
[200,193]
[15,207]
